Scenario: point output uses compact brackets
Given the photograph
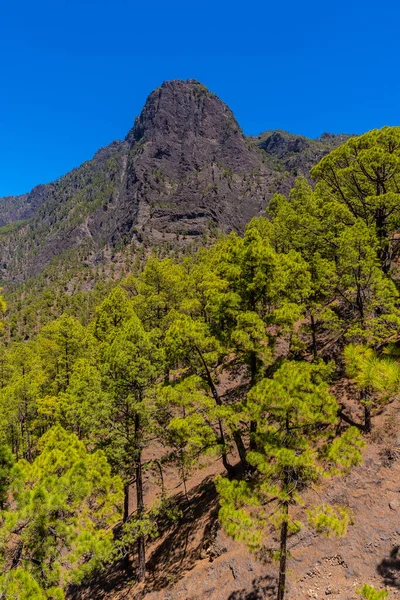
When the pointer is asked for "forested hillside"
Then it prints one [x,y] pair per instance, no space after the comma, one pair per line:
[181,405]
[184,174]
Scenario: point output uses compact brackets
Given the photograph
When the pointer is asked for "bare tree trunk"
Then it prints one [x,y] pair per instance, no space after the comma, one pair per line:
[236,434]
[384,254]
[241,448]
[367,419]
[253,376]
[126,503]
[183,474]
[125,517]
[283,553]
[365,399]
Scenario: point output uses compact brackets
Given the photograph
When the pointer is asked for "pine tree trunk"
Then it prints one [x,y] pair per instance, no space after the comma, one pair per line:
[241,449]
[283,554]
[253,377]
[126,502]
[253,368]
[227,466]
[141,570]
[314,337]
[367,418]
[384,246]
[253,429]
[236,433]
[360,305]
[183,473]
[125,517]
[365,399]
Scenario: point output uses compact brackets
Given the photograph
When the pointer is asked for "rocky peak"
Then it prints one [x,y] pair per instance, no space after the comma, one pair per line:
[190,168]
[184,121]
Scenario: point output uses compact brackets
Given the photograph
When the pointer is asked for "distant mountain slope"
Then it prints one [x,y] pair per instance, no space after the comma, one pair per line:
[184,170]
[14,208]
[295,153]
[62,216]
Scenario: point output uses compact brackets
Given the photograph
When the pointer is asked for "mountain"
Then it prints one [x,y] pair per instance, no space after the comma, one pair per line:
[296,154]
[185,170]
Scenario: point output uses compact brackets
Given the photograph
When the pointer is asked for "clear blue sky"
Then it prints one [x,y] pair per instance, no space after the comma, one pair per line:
[75,73]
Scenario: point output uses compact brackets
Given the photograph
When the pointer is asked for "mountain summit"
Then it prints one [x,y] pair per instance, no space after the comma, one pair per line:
[189,165]
[184,121]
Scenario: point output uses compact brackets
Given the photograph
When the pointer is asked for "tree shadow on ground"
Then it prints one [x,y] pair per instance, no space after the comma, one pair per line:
[110,580]
[347,419]
[174,552]
[389,568]
[263,588]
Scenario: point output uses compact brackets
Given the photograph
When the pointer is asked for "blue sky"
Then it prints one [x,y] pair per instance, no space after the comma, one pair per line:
[75,73]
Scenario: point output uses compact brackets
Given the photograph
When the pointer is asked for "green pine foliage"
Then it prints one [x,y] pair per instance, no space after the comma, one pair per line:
[362,176]
[58,526]
[367,592]
[185,417]
[376,377]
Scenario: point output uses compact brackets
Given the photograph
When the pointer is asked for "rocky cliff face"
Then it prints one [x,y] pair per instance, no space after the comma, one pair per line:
[190,168]
[184,170]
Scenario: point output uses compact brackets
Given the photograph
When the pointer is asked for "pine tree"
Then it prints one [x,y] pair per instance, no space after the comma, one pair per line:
[184,412]
[18,399]
[311,225]
[58,528]
[369,296]
[158,290]
[115,310]
[367,592]
[6,464]
[133,363]
[376,377]
[19,584]
[190,344]
[82,408]
[261,296]
[60,344]
[294,413]
[362,175]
